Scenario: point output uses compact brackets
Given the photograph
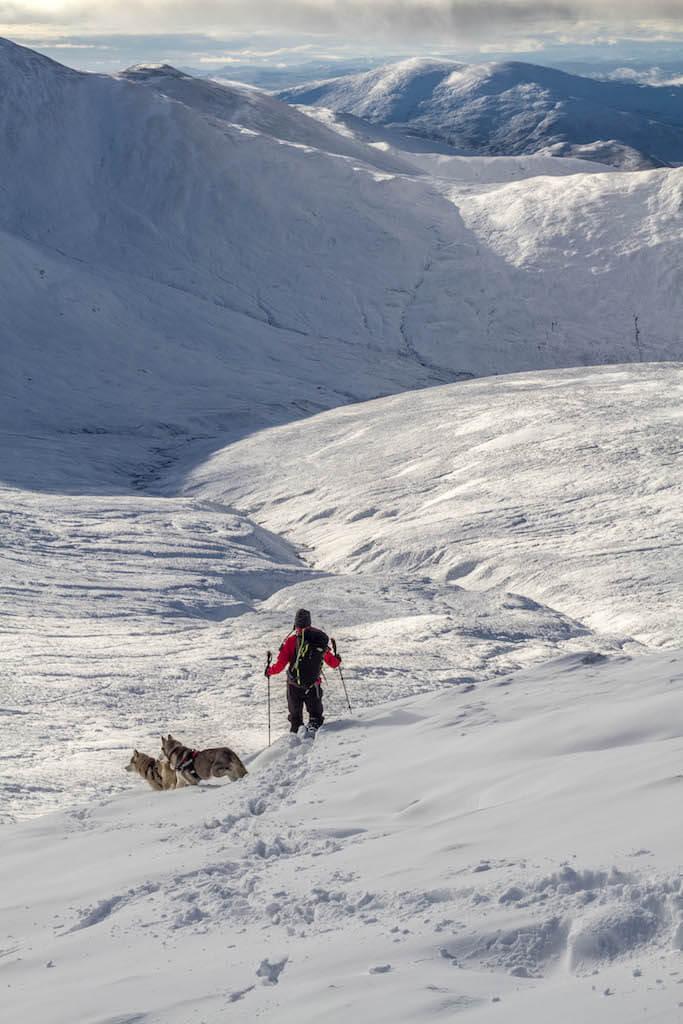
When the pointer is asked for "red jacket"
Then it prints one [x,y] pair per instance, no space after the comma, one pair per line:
[288,654]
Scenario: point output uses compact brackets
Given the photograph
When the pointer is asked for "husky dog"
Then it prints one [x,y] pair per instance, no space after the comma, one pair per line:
[159,774]
[194,765]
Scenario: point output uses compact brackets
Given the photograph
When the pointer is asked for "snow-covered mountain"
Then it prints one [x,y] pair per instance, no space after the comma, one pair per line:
[512,108]
[281,76]
[172,250]
[182,265]
[178,247]
[251,109]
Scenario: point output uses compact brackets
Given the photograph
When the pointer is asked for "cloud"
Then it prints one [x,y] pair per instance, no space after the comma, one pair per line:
[456,21]
[645,76]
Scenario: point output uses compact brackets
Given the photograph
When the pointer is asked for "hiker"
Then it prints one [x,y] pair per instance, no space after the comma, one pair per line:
[303,652]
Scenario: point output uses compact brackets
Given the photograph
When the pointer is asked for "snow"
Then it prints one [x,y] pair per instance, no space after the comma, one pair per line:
[550,498]
[395,868]
[249,108]
[512,108]
[196,326]
[443,160]
[492,824]
[560,486]
[187,257]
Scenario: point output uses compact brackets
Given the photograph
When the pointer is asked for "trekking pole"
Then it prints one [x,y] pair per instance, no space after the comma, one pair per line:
[341,675]
[269,658]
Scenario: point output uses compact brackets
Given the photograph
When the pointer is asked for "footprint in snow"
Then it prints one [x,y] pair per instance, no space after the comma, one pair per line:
[234,997]
[270,972]
[380,969]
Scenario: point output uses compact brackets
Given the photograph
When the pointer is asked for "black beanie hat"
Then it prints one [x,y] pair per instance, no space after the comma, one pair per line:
[302,619]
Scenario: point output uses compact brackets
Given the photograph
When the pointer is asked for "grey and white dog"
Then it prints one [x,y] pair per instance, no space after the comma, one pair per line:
[155,771]
[195,765]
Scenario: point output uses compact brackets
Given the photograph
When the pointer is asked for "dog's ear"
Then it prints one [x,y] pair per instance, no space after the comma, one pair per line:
[135,753]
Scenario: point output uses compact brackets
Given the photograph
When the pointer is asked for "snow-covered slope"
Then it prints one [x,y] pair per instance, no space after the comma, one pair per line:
[443,161]
[560,486]
[513,108]
[252,109]
[166,270]
[510,852]
[507,843]
[445,537]
[181,266]
[181,259]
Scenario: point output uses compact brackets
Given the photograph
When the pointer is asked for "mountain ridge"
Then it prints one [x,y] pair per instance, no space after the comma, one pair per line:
[512,107]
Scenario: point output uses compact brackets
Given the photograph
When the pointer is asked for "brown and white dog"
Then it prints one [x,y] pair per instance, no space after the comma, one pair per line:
[195,765]
[156,772]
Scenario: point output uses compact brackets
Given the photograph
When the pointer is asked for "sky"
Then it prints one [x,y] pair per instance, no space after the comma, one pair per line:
[101,35]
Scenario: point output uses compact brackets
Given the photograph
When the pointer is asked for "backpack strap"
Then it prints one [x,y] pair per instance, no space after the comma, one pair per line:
[301,651]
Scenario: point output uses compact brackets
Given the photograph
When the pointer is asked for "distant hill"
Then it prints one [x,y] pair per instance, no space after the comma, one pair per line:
[273,77]
[513,108]
[251,108]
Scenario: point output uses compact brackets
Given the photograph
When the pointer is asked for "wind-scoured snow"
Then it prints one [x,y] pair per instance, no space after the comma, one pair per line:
[512,108]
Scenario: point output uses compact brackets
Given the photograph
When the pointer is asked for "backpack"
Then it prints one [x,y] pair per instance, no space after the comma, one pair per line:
[306,667]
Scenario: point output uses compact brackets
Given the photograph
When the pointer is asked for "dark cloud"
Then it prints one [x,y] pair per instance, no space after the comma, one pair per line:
[452,19]
[101,35]
[458,19]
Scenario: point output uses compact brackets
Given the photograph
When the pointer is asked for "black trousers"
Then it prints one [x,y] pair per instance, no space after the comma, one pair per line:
[312,698]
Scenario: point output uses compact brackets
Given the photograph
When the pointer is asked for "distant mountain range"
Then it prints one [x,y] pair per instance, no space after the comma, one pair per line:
[513,108]
[273,77]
